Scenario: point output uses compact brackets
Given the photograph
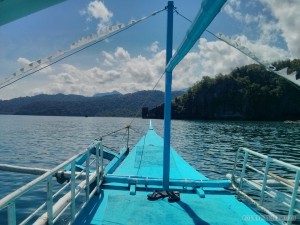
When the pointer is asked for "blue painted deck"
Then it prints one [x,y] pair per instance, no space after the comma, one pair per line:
[115,204]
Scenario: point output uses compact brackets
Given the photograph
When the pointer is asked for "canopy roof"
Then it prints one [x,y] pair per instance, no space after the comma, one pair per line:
[11,10]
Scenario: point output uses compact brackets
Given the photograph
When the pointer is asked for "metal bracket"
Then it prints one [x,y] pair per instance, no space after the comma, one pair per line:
[200,192]
[132,189]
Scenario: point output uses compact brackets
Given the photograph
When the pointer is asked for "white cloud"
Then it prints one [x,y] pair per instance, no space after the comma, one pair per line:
[98,10]
[235,3]
[275,21]
[23,61]
[82,12]
[154,48]
[122,72]
[269,32]
[287,14]
[212,57]
[72,80]
[230,11]
[264,51]
[233,10]
[121,54]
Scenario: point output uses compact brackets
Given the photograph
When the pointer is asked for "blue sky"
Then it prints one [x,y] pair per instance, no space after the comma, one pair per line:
[134,59]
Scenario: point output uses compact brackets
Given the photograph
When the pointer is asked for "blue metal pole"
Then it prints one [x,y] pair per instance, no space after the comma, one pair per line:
[167,107]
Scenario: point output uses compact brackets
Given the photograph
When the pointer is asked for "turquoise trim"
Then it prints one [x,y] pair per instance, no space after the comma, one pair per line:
[126,202]
[15,9]
[116,161]
[208,11]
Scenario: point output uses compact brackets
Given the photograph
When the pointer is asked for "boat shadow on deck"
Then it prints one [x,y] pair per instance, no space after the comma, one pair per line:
[192,213]
[117,208]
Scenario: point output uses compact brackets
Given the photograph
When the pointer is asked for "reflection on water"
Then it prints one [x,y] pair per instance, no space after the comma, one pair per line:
[209,146]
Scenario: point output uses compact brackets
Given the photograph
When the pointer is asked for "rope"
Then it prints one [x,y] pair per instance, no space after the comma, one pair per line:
[250,54]
[110,133]
[127,127]
[178,13]
[147,99]
[113,132]
[137,131]
[105,146]
[79,50]
[142,154]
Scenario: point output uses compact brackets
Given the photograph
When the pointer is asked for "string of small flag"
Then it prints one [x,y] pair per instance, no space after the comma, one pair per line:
[75,47]
[292,77]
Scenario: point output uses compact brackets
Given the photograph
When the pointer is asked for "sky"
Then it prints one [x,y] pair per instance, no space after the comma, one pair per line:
[134,59]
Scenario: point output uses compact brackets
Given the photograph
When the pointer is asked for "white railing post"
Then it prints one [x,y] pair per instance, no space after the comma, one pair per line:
[53,211]
[243,172]
[97,167]
[11,213]
[73,190]
[235,161]
[101,159]
[87,172]
[50,200]
[293,200]
[261,199]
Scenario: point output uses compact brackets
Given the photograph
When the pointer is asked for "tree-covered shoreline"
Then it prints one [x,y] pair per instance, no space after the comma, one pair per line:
[247,93]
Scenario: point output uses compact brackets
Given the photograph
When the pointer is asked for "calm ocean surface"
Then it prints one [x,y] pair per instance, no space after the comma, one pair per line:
[209,146]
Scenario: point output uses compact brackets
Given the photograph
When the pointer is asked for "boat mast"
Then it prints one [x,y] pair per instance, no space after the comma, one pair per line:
[167,106]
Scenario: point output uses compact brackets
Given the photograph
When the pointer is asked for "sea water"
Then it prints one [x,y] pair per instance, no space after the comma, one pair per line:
[209,146]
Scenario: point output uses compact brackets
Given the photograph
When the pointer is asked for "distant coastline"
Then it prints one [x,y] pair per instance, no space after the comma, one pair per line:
[111,104]
[247,93]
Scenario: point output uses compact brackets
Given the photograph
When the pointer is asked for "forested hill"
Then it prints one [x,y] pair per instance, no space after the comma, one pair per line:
[104,104]
[247,93]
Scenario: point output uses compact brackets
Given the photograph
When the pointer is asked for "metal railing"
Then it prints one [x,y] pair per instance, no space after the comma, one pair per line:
[252,170]
[56,207]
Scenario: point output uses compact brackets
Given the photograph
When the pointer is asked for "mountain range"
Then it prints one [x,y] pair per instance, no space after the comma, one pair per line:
[246,93]
[101,104]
